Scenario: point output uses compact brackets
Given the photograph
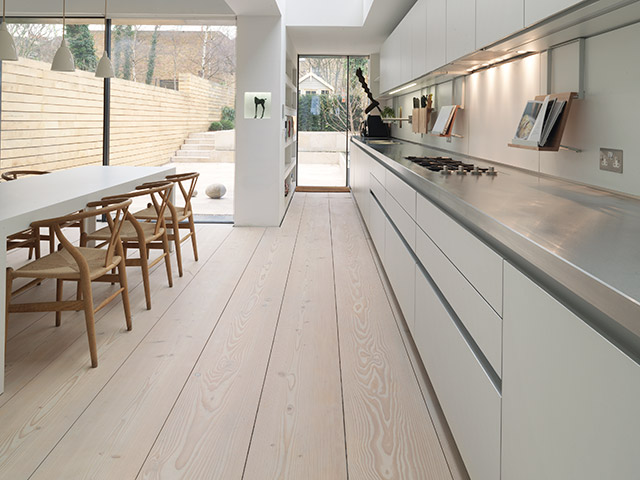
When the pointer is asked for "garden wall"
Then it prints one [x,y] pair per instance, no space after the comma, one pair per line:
[53,120]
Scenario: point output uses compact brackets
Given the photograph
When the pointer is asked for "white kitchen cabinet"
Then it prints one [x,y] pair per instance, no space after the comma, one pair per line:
[496,19]
[377,222]
[536,10]
[405,49]
[468,399]
[461,28]
[571,399]
[436,34]
[401,191]
[418,16]
[479,264]
[400,268]
[401,219]
[480,320]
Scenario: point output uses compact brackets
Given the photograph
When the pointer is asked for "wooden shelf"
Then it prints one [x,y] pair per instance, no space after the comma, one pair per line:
[553,143]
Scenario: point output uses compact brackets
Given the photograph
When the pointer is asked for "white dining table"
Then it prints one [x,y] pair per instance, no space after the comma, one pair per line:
[59,193]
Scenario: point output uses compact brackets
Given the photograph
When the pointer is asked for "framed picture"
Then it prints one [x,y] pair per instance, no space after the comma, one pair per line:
[257,105]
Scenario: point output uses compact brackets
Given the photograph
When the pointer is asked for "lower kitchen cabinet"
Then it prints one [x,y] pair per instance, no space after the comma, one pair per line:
[400,267]
[571,399]
[376,226]
[468,398]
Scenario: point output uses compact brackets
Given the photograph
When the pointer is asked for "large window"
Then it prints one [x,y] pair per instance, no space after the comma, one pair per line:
[331,107]
[51,120]
[172,102]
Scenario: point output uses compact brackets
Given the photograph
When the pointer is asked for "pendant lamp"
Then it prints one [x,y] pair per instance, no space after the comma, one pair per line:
[105,68]
[7,45]
[63,59]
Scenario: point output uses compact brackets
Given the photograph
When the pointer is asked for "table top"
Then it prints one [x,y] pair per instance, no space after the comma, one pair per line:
[63,191]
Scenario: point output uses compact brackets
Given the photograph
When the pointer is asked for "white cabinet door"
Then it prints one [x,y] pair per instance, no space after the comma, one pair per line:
[536,10]
[461,28]
[418,16]
[400,268]
[377,222]
[468,399]
[385,66]
[571,399]
[405,48]
[495,19]
[436,34]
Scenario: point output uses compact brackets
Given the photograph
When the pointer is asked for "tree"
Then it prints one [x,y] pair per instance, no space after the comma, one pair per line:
[81,44]
[151,63]
[35,40]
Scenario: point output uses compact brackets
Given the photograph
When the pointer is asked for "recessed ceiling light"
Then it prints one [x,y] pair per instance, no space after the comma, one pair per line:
[521,52]
[403,88]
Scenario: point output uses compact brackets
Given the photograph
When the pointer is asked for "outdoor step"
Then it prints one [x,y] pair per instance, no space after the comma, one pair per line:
[193,153]
[192,159]
[202,135]
[198,146]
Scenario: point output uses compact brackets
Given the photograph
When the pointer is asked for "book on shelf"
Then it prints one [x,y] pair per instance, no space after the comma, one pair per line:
[444,122]
[537,122]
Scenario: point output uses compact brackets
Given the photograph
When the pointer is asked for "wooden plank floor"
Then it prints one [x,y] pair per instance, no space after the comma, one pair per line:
[277,355]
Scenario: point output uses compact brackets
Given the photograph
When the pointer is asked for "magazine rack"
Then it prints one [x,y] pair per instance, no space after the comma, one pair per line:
[553,144]
[448,133]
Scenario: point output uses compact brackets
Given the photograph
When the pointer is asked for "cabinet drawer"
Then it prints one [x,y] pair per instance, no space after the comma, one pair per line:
[475,260]
[403,193]
[468,399]
[482,322]
[376,225]
[402,221]
[400,268]
[378,171]
[378,190]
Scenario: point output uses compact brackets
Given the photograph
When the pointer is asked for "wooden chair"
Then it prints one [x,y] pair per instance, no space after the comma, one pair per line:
[30,238]
[177,217]
[144,236]
[78,264]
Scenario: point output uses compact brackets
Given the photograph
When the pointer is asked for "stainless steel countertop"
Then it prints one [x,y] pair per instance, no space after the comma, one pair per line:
[580,243]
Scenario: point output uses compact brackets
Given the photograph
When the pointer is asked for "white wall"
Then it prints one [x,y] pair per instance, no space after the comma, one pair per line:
[260,47]
[607,117]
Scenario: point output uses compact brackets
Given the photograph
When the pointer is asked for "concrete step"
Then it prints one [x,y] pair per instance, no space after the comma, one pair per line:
[200,141]
[198,146]
[203,159]
[202,135]
[193,153]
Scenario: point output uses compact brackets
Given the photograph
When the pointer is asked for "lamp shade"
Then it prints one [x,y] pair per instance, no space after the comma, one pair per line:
[105,68]
[63,59]
[7,46]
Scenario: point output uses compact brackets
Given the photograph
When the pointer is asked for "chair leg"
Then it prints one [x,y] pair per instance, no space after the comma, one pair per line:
[122,275]
[87,296]
[9,286]
[59,289]
[145,274]
[52,240]
[177,243]
[167,257]
[192,229]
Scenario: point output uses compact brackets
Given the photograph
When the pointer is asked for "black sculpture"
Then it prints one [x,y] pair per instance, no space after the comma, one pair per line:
[363,82]
[259,101]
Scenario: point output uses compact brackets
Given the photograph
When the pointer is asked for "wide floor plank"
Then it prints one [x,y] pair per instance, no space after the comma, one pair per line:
[127,415]
[39,415]
[389,431]
[208,431]
[299,427]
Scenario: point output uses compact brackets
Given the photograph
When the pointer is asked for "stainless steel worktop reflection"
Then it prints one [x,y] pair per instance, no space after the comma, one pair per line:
[585,240]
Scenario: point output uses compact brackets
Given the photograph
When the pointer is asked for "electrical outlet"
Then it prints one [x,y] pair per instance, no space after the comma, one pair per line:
[611,160]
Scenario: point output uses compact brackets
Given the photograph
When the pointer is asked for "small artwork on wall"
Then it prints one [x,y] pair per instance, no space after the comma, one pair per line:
[257,105]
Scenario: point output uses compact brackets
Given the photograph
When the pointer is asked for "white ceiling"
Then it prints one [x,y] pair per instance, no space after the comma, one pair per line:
[177,9]
[383,17]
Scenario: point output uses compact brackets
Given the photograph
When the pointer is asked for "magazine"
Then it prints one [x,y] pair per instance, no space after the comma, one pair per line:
[537,122]
[527,120]
[444,120]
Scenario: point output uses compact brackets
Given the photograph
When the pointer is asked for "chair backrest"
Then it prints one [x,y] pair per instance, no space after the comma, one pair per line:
[159,194]
[115,212]
[187,183]
[14,174]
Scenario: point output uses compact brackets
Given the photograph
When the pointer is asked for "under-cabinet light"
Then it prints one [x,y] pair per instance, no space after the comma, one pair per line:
[403,88]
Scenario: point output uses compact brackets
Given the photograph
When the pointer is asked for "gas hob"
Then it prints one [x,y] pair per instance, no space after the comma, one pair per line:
[447,166]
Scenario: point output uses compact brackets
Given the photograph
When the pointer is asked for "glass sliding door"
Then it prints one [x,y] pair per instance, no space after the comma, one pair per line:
[328,114]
